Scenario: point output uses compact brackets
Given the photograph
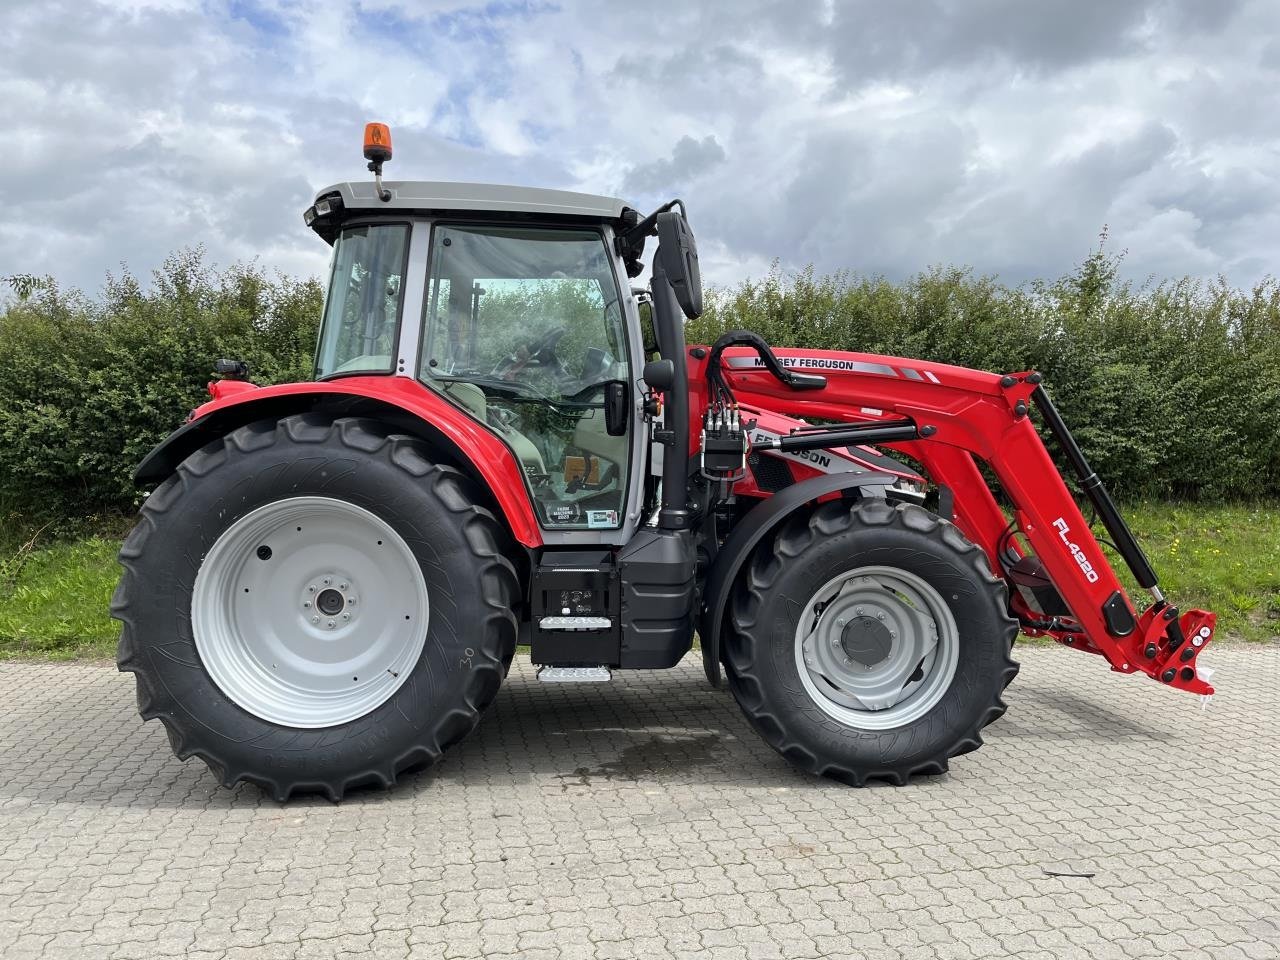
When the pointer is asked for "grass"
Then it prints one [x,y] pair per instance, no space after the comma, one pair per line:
[56,605]
[1224,558]
[54,596]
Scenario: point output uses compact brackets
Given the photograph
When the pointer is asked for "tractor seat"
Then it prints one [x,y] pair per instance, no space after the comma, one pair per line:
[474,401]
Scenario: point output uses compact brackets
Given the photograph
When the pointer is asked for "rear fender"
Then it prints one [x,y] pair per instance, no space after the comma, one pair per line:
[403,404]
[760,523]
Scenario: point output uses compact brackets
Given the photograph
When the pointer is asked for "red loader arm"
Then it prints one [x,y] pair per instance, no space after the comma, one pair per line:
[955,418]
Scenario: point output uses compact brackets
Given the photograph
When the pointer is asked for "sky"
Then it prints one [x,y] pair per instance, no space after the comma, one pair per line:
[872,137]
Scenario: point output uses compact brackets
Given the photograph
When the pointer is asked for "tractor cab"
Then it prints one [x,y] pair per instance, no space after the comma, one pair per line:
[512,304]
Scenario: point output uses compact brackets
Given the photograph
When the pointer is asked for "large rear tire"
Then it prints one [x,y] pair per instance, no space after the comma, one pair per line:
[870,641]
[313,605]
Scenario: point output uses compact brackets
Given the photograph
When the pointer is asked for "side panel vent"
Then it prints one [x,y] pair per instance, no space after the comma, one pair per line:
[772,473]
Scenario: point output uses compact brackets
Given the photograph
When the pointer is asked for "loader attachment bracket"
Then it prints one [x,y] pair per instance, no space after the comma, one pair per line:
[1171,645]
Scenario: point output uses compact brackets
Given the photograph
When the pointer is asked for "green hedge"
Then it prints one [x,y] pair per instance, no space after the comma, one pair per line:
[1173,389]
[87,387]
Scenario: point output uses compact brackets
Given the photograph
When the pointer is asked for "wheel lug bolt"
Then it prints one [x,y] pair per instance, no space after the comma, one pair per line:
[306,603]
[315,619]
[840,622]
[351,601]
[857,610]
[328,580]
[311,588]
[879,616]
[331,623]
[342,586]
[346,616]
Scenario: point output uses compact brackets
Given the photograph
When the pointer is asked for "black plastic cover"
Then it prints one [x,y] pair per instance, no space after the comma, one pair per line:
[1119,617]
[658,571]
[1032,581]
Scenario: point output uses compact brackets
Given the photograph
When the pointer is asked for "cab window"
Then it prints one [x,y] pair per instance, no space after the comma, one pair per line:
[362,309]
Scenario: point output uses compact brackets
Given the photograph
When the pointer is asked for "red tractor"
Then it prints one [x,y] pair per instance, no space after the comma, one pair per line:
[507,443]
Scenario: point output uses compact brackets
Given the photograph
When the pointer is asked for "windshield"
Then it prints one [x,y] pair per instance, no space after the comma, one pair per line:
[362,311]
[524,330]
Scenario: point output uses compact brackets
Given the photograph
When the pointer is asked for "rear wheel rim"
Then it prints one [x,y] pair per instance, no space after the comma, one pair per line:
[309,612]
[876,648]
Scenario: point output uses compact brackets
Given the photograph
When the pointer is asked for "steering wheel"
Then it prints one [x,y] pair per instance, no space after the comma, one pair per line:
[541,351]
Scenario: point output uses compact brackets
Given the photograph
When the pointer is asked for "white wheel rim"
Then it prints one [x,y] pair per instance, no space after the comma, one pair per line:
[309,612]
[876,648]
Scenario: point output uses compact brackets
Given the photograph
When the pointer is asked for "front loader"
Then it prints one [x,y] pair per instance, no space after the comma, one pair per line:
[506,442]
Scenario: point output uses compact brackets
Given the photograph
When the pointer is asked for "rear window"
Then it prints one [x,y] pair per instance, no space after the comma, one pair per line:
[362,309]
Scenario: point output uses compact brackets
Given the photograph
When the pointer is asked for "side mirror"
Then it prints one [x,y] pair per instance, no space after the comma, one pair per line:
[659,375]
[679,255]
[616,414]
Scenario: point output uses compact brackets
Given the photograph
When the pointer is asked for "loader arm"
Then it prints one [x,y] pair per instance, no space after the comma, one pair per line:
[964,417]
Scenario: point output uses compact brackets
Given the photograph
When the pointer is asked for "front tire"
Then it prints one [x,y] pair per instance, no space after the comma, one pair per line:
[870,641]
[313,605]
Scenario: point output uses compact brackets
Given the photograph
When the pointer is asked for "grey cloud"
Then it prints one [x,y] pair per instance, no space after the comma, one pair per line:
[1108,165]
[690,159]
[692,77]
[913,39]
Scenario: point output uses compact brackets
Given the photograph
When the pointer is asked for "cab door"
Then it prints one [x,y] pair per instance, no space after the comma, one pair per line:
[525,329]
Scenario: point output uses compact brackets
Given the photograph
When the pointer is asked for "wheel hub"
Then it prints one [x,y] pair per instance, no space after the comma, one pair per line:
[866,641]
[330,602]
[309,612]
[876,647]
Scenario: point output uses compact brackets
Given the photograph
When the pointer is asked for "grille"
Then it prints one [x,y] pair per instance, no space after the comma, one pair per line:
[771,473]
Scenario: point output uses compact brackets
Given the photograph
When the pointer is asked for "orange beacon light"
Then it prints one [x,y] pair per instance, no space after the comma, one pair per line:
[377,150]
[377,142]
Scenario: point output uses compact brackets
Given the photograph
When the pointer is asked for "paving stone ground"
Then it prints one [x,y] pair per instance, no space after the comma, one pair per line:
[642,818]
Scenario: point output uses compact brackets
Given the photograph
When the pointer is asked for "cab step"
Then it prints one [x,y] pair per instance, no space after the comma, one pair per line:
[551,674]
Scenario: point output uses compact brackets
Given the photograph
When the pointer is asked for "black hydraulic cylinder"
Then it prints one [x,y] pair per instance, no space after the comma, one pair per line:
[1097,493]
[872,433]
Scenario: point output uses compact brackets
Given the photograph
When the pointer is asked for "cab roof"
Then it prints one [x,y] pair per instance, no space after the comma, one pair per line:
[427,195]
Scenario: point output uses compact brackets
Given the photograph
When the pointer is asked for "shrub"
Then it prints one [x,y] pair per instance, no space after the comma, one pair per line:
[89,387]
[1172,389]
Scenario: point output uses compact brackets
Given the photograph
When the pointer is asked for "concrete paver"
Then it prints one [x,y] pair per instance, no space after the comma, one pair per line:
[643,818]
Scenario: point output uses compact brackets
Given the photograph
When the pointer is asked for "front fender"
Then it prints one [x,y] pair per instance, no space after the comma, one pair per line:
[761,521]
[404,404]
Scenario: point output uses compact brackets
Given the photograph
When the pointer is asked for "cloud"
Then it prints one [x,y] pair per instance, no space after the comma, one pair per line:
[853,135]
[691,158]
[911,40]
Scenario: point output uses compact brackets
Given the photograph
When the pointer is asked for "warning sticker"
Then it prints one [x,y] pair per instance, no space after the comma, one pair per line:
[602,518]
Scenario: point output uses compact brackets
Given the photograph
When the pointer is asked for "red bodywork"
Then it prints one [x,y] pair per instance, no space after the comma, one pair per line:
[492,458]
[965,416]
